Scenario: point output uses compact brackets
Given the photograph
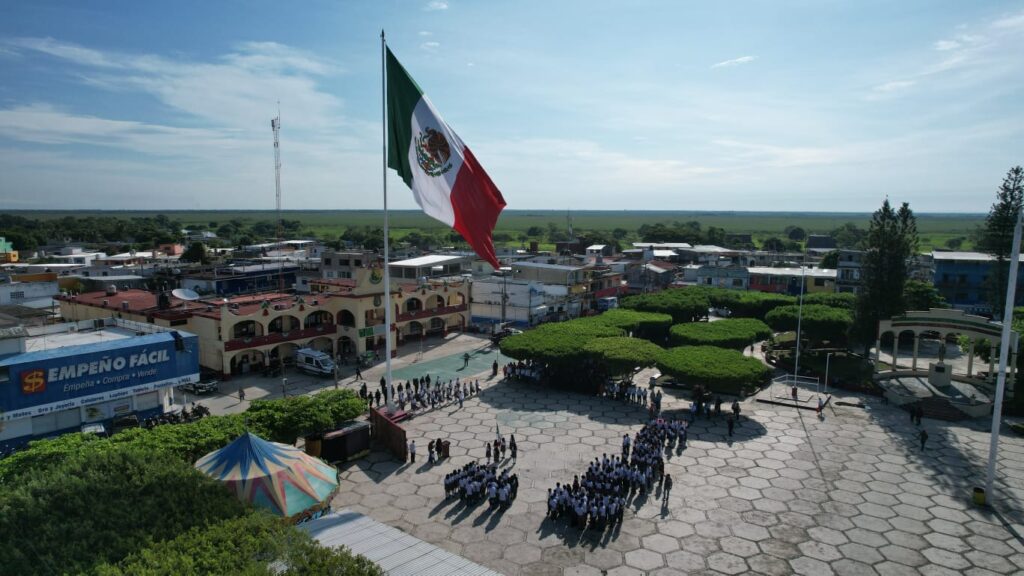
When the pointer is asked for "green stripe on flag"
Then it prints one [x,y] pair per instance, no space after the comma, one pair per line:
[403,95]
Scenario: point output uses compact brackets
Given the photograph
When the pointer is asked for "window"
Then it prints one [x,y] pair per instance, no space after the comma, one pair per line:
[18,295]
[5,374]
[343,262]
[819,281]
[737,282]
[357,262]
[327,261]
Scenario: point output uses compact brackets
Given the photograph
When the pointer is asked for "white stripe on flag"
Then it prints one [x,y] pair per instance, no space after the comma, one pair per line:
[433,193]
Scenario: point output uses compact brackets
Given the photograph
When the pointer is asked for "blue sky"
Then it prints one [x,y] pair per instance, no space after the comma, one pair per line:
[772,105]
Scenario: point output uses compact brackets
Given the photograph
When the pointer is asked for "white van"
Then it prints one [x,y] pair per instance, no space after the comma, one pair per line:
[314,362]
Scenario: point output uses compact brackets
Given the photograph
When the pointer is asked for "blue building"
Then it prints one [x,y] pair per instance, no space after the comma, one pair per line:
[963,280]
[58,378]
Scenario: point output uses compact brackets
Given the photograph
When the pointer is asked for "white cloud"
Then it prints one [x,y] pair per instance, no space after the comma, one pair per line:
[425,33]
[944,45]
[430,46]
[214,144]
[239,90]
[775,156]
[734,62]
[894,86]
[1012,22]
[65,51]
[435,5]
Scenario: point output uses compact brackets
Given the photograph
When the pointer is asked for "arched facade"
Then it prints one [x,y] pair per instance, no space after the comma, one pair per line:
[947,326]
[245,331]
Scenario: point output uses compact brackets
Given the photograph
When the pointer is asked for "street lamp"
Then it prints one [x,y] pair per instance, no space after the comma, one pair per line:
[827,358]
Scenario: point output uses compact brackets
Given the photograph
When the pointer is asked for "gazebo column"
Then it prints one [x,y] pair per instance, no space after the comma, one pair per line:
[970,358]
[917,340]
[878,351]
[895,350]
[991,367]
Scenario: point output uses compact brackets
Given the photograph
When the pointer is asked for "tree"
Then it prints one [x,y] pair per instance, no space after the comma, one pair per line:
[922,296]
[196,252]
[254,544]
[955,243]
[735,333]
[620,355]
[534,231]
[720,369]
[817,322]
[773,244]
[796,233]
[620,233]
[830,260]
[892,239]
[649,325]
[996,236]
[849,236]
[682,304]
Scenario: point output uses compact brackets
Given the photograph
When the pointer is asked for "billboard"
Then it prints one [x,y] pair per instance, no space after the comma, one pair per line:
[41,382]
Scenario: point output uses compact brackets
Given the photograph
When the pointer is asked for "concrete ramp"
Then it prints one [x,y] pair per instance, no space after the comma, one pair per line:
[396,552]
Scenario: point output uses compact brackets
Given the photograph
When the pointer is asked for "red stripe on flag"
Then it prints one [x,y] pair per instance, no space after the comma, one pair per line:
[477,203]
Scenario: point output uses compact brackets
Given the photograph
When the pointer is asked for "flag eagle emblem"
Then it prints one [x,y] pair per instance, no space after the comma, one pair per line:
[433,152]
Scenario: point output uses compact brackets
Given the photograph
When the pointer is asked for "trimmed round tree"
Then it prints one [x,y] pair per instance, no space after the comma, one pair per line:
[717,369]
[819,322]
[735,333]
[650,325]
[557,343]
[619,355]
[747,304]
[683,304]
[845,300]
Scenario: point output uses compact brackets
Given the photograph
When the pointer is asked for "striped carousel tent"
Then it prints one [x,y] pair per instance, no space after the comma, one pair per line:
[280,478]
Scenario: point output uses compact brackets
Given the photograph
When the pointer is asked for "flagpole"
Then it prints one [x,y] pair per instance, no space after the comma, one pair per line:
[384,185]
[1004,353]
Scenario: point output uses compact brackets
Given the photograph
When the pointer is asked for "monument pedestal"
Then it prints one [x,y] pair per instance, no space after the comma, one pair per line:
[939,375]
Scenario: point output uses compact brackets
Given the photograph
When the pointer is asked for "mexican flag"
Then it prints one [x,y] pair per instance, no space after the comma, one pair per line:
[446,179]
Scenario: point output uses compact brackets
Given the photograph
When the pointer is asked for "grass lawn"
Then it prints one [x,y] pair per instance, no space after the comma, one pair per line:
[933,229]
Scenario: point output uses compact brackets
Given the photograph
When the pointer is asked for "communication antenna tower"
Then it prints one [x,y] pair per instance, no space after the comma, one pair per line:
[275,125]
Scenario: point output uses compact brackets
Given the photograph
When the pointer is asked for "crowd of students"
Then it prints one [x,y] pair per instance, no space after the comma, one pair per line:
[475,482]
[634,394]
[521,371]
[599,498]
[421,393]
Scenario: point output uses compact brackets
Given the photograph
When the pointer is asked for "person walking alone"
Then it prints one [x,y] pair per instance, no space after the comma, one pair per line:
[732,424]
[923,437]
[412,451]
[667,489]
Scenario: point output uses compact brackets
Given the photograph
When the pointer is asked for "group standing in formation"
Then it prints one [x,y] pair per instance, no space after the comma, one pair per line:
[475,482]
[421,393]
[599,498]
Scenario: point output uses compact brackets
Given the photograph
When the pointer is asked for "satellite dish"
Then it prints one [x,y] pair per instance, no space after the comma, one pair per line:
[185,294]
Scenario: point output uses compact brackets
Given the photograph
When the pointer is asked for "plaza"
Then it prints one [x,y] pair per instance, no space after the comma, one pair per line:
[851,493]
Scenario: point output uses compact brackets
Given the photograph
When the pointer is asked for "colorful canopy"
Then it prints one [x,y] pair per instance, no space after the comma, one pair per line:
[280,478]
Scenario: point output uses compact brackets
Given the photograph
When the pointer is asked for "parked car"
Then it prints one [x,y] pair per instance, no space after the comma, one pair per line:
[720,312]
[124,423]
[497,336]
[208,384]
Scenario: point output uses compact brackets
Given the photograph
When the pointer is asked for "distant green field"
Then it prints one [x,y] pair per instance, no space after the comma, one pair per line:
[934,229]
